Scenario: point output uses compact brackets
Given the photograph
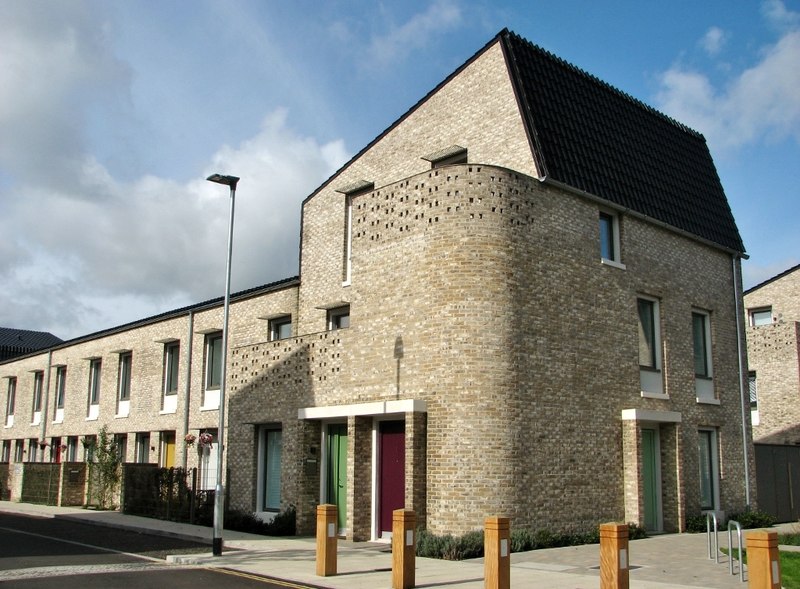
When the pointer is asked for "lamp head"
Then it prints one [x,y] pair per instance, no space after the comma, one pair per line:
[226,180]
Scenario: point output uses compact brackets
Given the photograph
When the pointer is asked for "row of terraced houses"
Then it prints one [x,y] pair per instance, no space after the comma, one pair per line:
[520,299]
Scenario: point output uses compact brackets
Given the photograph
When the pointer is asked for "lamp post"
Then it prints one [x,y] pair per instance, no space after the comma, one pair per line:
[219,492]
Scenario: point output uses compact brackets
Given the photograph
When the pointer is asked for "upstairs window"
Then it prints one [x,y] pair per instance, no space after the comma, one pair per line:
[753,386]
[762,316]
[650,376]
[701,337]
[124,376]
[61,386]
[95,366]
[38,385]
[339,318]
[455,154]
[213,361]
[11,400]
[609,238]
[171,363]
[280,328]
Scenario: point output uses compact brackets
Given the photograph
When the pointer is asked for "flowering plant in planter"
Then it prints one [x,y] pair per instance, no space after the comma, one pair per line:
[63,447]
[43,444]
[190,439]
[206,439]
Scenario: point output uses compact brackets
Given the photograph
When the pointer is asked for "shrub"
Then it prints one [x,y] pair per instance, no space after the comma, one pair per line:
[449,547]
[753,519]
[696,524]
[283,524]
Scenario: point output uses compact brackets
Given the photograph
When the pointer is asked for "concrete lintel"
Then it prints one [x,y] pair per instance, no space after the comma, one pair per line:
[376,408]
[651,415]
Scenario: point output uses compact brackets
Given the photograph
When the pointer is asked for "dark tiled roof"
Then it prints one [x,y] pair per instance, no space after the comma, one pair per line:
[592,137]
[15,342]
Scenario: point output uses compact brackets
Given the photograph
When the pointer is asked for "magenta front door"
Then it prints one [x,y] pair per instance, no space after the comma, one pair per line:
[392,471]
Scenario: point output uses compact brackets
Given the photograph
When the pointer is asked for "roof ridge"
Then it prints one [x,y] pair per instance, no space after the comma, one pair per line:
[629,97]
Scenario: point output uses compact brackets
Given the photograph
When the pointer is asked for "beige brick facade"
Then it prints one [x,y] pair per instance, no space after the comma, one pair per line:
[482,323]
[773,352]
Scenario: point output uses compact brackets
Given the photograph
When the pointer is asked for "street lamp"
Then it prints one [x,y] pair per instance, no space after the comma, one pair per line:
[219,503]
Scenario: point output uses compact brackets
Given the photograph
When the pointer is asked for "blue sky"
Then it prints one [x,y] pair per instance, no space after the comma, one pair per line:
[112,113]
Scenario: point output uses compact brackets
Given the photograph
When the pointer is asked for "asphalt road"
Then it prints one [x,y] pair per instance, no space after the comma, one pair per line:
[53,553]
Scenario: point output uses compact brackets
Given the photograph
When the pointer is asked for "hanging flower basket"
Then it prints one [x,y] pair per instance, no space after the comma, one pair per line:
[43,444]
[206,439]
[190,439]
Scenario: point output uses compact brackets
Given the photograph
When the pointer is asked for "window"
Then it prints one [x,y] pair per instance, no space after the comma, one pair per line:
[171,363]
[348,237]
[701,336]
[124,376]
[650,377]
[61,386]
[6,456]
[709,468]
[213,361]
[11,401]
[753,386]
[121,444]
[272,448]
[339,318]
[19,451]
[33,450]
[72,448]
[648,334]
[762,316]
[280,328]
[95,367]
[38,385]
[609,239]
[143,447]
[89,448]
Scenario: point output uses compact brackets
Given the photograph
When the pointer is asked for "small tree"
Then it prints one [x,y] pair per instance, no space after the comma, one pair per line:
[107,468]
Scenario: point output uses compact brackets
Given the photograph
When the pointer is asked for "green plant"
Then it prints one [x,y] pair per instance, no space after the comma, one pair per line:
[106,469]
[696,524]
[753,519]
[449,547]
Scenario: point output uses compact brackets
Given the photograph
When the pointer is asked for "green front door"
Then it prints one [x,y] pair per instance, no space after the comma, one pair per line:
[337,471]
[650,479]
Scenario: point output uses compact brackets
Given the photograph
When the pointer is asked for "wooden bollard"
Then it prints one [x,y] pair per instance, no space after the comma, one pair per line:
[763,560]
[614,557]
[404,546]
[497,553]
[326,540]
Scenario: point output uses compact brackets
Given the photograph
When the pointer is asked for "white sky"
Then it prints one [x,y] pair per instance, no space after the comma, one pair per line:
[113,112]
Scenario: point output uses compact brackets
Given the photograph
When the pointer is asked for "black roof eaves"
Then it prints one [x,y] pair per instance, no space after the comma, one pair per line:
[235,297]
[405,115]
[773,279]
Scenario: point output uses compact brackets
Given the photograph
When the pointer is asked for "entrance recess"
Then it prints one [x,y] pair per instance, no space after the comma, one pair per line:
[391,478]
[337,472]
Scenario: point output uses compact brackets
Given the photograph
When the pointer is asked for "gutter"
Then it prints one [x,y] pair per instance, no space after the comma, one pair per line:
[737,298]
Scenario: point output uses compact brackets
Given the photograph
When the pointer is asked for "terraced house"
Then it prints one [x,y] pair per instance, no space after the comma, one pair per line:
[521,298]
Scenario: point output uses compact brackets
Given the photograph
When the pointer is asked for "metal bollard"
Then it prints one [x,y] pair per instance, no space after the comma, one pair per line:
[326,540]
[404,546]
[497,553]
[614,558]
[763,561]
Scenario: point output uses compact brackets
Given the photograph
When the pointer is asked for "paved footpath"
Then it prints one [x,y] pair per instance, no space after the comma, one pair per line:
[668,561]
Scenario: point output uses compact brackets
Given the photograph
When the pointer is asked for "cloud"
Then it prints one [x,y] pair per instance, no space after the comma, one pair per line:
[776,14]
[762,103]
[154,244]
[396,44]
[713,41]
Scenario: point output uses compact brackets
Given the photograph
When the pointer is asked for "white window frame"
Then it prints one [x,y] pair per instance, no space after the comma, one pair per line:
[335,317]
[267,437]
[348,236]
[95,379]
[171,378]
[124,382]
[211,393]
[651,378]
[61,394]
[615,259]
[275,326]
[38,392]
[757,315]
[11,400]
[142,447]
[703,382]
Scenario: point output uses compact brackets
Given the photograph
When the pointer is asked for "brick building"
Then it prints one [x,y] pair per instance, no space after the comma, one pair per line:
[773,350]
[519,299]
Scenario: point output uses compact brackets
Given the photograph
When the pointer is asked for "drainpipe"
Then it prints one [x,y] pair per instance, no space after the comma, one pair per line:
[737,297]
[187,388]
[46,394]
